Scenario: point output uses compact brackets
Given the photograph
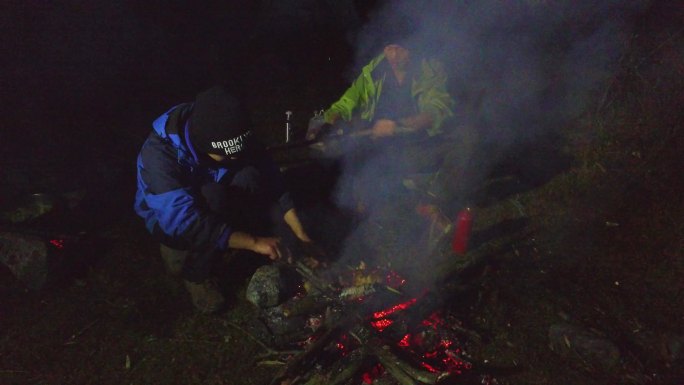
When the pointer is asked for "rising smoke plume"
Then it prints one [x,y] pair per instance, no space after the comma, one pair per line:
[518,70]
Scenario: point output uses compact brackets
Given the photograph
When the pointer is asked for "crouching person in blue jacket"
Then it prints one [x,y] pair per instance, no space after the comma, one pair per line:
[206,185]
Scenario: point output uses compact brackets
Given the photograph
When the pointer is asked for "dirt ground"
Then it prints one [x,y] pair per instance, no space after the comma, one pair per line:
[596,242]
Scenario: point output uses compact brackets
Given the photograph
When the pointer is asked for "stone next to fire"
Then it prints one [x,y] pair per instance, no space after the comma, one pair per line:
[588,349]
[265,287]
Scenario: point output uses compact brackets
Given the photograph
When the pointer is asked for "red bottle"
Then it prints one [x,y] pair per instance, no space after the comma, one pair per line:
[464,223]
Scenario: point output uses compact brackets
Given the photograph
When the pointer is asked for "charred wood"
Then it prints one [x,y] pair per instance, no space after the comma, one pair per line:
[305,360]
[309,304]
[402,371]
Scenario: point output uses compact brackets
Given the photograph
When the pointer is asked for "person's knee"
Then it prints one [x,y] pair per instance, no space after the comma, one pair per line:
[174,259]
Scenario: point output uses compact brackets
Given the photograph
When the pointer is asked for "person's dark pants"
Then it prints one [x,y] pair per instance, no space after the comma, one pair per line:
[376,168]
[461,169]
[241,202]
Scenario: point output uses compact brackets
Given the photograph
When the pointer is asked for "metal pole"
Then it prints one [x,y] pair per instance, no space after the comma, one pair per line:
[288,127]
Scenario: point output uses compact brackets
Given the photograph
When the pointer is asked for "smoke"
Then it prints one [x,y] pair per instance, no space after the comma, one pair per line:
[518,71]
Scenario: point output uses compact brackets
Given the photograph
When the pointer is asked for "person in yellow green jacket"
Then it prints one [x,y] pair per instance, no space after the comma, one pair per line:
[401,106]
[396,93]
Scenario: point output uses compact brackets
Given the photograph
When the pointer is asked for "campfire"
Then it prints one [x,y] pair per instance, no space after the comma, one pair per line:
[366,326]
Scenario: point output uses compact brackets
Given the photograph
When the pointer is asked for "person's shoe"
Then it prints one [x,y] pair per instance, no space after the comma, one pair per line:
[173,259]
[205,296]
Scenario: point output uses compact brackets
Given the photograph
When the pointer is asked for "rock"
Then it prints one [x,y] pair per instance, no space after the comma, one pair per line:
[265,288]
[675,348]
[280,325]
[665,347]
[26,256]
[30,207]
[589,349]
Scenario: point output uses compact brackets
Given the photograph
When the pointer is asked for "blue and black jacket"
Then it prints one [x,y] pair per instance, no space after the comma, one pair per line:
[170,175]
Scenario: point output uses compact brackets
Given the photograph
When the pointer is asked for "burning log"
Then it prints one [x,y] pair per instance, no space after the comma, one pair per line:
[371,343]
[405,340]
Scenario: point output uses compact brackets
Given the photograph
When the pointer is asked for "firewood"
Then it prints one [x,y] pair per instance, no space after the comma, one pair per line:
[390,362]
[306,359]
[404,372]
[352,365]
[314,279]
[316,379]
[355,292]
[309,304]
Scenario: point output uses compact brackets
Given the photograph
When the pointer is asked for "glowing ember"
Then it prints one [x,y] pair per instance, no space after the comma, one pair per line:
[382,324]
[405,341]
[366,378]
[434,321]
[437,355]
[431,343]
[394,309]
[372,374]
[429,367]
[58,243]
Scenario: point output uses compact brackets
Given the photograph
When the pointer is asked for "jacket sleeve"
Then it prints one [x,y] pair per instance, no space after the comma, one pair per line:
[271,173]
[433,97]
[169,195]
[349,101]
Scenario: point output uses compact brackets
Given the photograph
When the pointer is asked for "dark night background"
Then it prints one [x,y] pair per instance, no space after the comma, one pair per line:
[83,80]
[579,103]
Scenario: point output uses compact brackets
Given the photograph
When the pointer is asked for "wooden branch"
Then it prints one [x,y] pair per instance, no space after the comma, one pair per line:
[318,282]
[353,365]
[306,359]
[307,305]
[390,363]
[269,352]
[402,371]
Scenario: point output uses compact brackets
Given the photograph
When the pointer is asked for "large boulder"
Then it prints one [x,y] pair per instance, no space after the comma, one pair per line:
[586,348]
[26,256]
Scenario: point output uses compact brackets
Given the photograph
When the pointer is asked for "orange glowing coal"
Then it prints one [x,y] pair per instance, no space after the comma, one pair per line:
[394,309]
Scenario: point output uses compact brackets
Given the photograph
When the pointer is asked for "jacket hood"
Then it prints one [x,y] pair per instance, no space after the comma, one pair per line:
[170,125]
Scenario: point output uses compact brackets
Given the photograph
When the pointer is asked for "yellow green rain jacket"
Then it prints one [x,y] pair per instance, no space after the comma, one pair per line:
[428,89]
